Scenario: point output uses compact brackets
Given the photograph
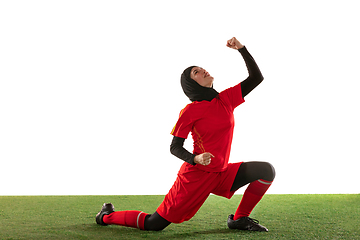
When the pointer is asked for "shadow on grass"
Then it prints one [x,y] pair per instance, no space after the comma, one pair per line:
[203,234]
[109,232]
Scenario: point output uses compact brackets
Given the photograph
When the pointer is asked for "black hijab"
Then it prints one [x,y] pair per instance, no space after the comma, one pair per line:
[193,90]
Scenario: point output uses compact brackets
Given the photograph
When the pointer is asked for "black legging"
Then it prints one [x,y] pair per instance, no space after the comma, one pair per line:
[155,222]
[247,173]
[252,171]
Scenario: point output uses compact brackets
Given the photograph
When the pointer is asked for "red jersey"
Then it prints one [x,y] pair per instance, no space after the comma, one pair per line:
[211,125]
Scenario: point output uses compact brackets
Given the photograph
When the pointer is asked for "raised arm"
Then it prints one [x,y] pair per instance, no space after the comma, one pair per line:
[255,76]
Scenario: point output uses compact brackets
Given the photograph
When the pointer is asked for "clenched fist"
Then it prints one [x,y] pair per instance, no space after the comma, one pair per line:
[203,159]
[234,44]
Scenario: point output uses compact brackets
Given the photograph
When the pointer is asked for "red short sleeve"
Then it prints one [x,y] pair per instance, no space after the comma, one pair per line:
[191,113]
[184,124]
[233,96]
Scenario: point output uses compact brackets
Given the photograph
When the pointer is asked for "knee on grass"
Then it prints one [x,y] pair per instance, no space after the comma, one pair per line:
[155,222]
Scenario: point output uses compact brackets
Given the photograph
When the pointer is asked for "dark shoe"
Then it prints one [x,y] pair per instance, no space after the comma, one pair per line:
[106,209]
[245,223]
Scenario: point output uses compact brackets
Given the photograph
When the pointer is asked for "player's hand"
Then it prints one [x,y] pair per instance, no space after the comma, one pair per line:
[234,44]
[203,159]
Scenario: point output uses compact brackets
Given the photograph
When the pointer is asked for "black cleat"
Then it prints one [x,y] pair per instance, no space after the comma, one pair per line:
[245,223]
[106,209]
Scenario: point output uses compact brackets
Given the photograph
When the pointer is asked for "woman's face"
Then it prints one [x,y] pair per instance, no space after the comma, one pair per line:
[201,76]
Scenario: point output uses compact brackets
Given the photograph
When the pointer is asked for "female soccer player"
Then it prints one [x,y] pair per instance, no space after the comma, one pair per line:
[210,120]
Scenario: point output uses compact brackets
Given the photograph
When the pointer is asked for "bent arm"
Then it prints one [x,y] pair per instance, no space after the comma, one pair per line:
[177,149]
[255,76]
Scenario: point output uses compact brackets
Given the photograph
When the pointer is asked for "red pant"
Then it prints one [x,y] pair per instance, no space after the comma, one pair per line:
[191,189]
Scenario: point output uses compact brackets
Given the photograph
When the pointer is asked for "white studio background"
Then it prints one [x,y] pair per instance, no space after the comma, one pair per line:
[90,90]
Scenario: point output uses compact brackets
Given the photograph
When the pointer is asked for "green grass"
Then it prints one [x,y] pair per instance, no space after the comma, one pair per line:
[286,217]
